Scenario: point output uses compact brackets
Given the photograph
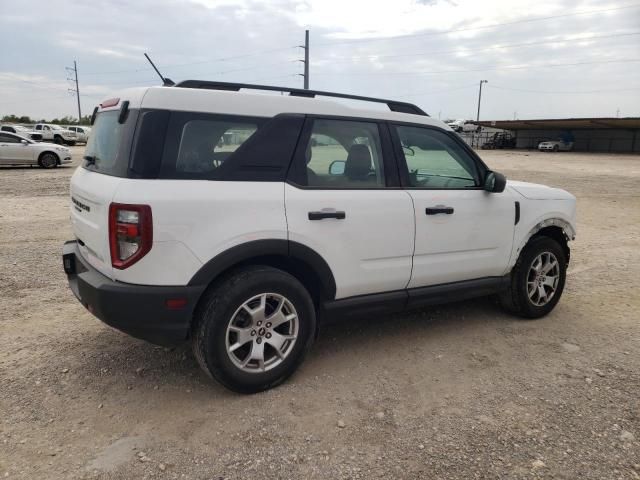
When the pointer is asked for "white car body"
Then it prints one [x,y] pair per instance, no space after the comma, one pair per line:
[194,201]
[17,150]
[55,133]
[555,146]
[462,126]
[23,131]
[187,234]
[82,132]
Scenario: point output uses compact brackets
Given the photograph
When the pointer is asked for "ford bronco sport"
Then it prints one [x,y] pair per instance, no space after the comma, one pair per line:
[239,219]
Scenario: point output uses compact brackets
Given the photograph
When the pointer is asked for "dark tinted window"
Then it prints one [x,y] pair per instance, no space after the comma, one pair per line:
[203,146]
[7,138]
[435,160]
[206,144]
[109,147]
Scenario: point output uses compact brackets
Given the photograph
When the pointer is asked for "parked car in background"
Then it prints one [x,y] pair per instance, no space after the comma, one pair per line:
[23,131]
[500,140]
[463,126]
[555,146]
[56,134]
[82,133]
[17,150]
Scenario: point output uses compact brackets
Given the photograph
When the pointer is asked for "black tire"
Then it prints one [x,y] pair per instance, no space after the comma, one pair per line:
[48,160]
[71,143]
[216,310]
[556,148]
[58,140]
[516,299]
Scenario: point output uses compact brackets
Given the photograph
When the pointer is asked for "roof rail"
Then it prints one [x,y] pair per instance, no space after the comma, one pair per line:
[394,106]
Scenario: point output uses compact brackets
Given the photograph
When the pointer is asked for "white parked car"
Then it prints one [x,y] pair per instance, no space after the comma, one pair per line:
[23,131]
[463,126]
[239,221]
[555,146]
[55,134]
[17,150]
[82,133]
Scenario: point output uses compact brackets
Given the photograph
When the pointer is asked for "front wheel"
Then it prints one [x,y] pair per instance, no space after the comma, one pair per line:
[48,160]
[537,279]
[58,140]
[254,328]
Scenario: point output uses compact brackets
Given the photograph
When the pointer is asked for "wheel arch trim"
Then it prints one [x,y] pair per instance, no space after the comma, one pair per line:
[567,229]
[257,249]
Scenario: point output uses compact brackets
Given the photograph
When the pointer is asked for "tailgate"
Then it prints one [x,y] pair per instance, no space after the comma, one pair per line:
[91,195]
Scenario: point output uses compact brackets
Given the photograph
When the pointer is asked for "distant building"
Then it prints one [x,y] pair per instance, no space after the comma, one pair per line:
[618,135]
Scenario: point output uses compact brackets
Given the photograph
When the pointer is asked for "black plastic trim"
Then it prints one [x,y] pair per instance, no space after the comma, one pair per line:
[394,105]
[400,300]
[139,310]
[517,219]
[257,249]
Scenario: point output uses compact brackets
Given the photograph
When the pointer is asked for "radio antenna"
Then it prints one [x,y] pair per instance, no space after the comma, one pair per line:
[166,82]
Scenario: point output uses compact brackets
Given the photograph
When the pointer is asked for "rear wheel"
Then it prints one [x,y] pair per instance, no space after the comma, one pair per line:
[556,148]
[537,279]
[48,160]
[254,328]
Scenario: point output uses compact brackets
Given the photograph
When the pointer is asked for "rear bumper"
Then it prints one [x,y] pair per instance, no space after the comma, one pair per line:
[138,310]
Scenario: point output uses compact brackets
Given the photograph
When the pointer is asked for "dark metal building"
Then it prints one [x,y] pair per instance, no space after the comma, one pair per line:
[621,135]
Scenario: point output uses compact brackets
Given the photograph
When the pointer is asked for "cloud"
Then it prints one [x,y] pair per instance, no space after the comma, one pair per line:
[430,52]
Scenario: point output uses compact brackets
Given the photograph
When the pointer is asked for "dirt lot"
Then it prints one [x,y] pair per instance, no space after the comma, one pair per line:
[460,391]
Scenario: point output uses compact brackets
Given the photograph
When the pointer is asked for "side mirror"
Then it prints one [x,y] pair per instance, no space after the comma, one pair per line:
[24,142]
[495,182]
[337,167]
[408,151]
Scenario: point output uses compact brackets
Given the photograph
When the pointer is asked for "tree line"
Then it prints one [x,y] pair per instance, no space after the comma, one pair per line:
[25,119]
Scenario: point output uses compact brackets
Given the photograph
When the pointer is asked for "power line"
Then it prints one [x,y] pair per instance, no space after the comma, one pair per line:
[176,65]
[506,67]
[482,27]
[495,47]
[566,92]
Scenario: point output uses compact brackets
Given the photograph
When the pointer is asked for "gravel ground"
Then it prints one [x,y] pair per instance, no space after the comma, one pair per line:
[461,391]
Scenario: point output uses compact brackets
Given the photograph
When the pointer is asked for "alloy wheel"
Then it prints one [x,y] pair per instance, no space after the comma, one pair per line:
[543,278]
[262,333]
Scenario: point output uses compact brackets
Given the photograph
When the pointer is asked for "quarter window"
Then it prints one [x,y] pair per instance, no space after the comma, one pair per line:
[344,154]
[435,160]
[207,144]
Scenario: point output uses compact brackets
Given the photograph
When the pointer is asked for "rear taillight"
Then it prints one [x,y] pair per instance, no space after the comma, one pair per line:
[130,233]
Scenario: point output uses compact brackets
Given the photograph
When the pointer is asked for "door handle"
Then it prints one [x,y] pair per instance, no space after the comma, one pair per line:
[438,209]
[326,214]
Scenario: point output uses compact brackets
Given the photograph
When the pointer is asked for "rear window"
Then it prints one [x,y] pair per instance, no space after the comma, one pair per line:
[108,147]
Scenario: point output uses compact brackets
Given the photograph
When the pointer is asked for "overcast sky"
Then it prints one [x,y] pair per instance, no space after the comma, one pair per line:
[542,58]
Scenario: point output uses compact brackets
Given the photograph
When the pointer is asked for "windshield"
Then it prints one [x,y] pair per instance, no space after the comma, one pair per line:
[103,147]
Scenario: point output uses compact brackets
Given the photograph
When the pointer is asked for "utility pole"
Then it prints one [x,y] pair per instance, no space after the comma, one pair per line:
[480,98]
[305,75]
[76,90]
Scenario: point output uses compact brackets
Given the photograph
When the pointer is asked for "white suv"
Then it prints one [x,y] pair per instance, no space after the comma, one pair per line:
[240,220]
